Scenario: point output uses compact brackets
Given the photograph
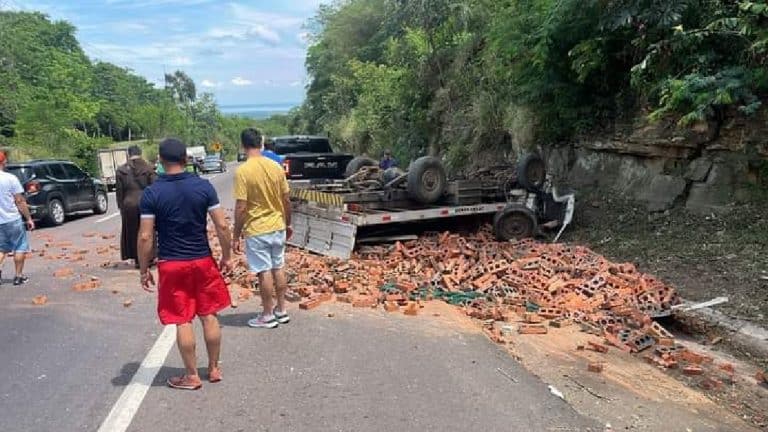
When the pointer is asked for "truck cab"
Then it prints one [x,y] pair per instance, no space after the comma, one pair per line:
[310,157]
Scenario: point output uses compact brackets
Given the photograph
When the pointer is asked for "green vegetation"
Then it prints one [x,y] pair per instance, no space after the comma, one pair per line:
[461,76]
[55,102]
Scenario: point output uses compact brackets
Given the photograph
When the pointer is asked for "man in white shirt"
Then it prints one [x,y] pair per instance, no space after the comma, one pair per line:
[13,232]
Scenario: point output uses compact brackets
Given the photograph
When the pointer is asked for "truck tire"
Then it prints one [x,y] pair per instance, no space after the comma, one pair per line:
[56,212]
[531,172]
[357,164]
[101,204]
[515,222]
[426,180]
[391,174]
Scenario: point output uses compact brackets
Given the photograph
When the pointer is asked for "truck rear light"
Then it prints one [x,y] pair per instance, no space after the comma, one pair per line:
[287,166]
[33,187]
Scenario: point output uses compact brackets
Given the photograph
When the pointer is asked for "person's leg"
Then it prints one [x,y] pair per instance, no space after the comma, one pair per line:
[18,261]
[278,272]
[260,262]
[185,339]
[176,306]
[267,290]
[212,336]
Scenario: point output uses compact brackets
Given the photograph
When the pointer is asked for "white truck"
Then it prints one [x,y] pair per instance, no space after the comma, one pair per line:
[196,153]
[109,160]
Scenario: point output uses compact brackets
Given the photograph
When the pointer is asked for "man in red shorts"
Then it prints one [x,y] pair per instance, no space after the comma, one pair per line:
[190,282]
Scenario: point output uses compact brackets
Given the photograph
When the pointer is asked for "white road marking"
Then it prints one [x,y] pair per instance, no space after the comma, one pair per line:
[106,218]
[126,407]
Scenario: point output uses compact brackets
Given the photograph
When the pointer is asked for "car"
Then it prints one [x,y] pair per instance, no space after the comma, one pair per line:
[213,163]
[57,188]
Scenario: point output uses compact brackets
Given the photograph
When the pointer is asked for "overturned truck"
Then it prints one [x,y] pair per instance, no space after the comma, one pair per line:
[328,216]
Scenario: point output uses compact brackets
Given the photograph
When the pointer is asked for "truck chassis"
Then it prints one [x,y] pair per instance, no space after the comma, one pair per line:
[328,216]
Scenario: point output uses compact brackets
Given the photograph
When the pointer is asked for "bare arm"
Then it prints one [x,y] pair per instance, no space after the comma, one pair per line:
[241,209]
[145,245]
[222,231]
[287,213]
[21,204]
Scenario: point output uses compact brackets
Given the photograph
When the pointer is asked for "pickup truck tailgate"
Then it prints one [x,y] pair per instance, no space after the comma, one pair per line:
[316,165]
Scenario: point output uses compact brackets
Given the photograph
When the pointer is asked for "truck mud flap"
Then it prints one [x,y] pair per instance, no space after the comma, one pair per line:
[323,236]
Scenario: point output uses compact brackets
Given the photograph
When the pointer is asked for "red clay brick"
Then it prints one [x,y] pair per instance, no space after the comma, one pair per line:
[411,309]
[692,370]
[532,329]
[596,367]
[594,346]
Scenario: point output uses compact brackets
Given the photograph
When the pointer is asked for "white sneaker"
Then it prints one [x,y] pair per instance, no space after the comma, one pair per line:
[281,317]
[263,321]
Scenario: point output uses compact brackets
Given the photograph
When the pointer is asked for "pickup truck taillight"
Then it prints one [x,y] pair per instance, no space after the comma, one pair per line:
[287,166]
[33,187]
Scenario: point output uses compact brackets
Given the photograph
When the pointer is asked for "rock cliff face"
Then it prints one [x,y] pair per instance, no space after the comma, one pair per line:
[707,168]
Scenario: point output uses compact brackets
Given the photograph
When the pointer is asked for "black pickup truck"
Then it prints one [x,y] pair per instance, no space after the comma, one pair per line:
[310,158]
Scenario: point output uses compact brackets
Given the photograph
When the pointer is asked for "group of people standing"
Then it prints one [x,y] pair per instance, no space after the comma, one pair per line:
[165,217]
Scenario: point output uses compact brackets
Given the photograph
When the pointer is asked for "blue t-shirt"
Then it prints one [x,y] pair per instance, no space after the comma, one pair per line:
[387,163]
[274,156]
[180,203]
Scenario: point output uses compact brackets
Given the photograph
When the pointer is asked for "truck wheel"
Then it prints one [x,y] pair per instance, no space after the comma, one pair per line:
[102,204]
[513,223]
[56,212]
[426,180]
[390,174]
[531,172]
[357,164]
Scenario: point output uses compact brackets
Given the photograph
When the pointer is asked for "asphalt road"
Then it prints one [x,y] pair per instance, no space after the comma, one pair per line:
[67,363]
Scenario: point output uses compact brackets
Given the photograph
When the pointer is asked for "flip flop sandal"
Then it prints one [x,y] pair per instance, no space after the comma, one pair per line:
[184,383]
[214,376]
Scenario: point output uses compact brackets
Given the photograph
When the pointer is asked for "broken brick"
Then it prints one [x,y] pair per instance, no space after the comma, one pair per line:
[532,329]
[391,306]
[63,273]
[594,346]
[411,309]
[596,367]
[692,370]
[39,300]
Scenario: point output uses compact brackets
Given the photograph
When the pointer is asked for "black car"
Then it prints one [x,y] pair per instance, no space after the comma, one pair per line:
[56,188]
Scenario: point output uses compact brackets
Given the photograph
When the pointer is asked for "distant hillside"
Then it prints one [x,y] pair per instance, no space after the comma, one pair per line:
[257,111]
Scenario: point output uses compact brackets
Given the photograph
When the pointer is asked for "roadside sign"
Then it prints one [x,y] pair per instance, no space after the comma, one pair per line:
[216,147]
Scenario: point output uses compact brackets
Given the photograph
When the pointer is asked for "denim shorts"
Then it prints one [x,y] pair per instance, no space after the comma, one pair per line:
[265,252]
[13,237]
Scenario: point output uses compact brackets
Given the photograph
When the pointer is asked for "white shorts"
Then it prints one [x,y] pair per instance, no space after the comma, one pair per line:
[265,252]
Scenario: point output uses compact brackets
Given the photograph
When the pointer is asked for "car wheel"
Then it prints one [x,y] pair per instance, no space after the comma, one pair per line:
[56,212]
[102,204]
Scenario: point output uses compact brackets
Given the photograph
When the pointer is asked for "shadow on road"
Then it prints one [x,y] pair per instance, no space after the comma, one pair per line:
[236,320]
[130,369]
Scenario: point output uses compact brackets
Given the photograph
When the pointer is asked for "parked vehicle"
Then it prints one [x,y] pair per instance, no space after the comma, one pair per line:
[109,161]
[214,163]
[57,188]
[310,158]
[196,153]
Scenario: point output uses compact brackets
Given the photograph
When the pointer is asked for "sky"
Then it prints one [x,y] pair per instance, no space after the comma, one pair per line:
[244,52]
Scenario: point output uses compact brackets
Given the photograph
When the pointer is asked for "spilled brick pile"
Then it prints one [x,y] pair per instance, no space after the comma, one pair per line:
[534,286]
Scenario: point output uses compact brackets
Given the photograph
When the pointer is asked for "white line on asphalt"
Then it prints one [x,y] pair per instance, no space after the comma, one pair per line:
[106,218]
[122,413]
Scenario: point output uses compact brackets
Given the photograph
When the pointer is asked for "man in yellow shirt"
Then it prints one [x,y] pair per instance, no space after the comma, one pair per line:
[263,217]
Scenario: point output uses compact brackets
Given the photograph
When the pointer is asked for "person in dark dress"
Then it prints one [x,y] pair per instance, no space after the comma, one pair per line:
[132,178]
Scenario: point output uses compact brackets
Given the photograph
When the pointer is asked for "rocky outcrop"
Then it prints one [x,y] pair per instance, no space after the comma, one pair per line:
[706,168]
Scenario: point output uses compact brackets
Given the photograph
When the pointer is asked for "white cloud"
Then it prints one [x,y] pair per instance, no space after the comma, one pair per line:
[129,27]
[295,84]
[240,81]
[209,84]
[180,61]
